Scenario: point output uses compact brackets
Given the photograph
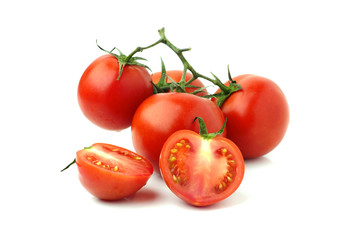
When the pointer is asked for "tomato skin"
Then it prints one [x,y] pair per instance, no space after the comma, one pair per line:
[195,174]
[163,114]
[108,102]
[257,116]
[106,183]
[176,76]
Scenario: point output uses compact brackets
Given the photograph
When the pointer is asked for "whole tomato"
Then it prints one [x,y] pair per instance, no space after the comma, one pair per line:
[162,114]
[176,76]
[110,102]
[257,115]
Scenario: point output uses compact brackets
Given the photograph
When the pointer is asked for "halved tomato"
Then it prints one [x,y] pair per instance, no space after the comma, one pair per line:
[110,172]
[201,170]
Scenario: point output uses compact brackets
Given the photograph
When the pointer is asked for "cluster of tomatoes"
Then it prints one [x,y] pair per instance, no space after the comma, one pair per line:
[201,161]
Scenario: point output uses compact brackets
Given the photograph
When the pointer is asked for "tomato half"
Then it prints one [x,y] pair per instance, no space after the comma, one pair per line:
[162,114]
[257,115]
[108,102]
[201,171]
[110,172]
[176,76]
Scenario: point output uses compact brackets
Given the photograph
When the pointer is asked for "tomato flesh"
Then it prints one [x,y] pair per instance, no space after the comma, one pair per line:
[110,172]
[201,171]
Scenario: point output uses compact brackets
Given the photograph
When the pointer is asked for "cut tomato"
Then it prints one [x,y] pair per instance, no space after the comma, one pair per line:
[110,172]
[201,170]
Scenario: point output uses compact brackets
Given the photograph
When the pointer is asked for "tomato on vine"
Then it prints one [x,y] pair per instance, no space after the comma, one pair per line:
[258,115]
[111,88]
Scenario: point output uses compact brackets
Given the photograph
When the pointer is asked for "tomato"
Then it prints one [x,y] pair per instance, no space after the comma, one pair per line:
[162,114]
[176,76]
[201,171]
[110,172]
[108,102]
[257,115]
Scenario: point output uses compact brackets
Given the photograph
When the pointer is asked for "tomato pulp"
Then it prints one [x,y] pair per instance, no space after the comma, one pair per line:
[110,172]
[201,171]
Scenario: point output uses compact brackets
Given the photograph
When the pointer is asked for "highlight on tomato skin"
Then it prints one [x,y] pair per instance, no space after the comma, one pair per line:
[199,171]
[110,172]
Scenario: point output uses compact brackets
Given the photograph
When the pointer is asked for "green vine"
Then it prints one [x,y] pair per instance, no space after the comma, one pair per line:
[163,86]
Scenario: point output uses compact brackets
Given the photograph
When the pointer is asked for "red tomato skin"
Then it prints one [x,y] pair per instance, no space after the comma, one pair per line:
[257,116]
[190,195]
[109,185]
[162,114]
[108,102]
[176,75]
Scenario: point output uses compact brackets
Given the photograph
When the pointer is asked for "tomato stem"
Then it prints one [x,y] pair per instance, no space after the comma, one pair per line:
[226,91]
[69,165]
[204,132]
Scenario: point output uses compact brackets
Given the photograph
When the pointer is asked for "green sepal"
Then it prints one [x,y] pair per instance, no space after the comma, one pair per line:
[123,59]
[203,129]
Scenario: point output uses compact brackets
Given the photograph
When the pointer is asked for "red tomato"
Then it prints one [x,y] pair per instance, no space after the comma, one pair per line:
[257,115]
[176,76]
[110,172]
[162,114]
[201,171]
[108,102]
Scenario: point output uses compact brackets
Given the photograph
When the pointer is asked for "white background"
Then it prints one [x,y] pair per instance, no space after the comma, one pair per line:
[307,188]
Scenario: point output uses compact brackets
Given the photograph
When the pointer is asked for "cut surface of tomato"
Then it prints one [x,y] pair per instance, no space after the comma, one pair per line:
[201,171]
[110,172]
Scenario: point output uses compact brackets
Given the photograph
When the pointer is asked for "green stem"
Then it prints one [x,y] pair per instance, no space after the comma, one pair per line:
[179,53]
[203,130]
[140,49]
[69,165]
[226,91]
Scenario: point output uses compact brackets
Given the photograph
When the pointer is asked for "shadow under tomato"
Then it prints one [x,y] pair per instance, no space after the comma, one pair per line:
[257,162]
[142,196]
